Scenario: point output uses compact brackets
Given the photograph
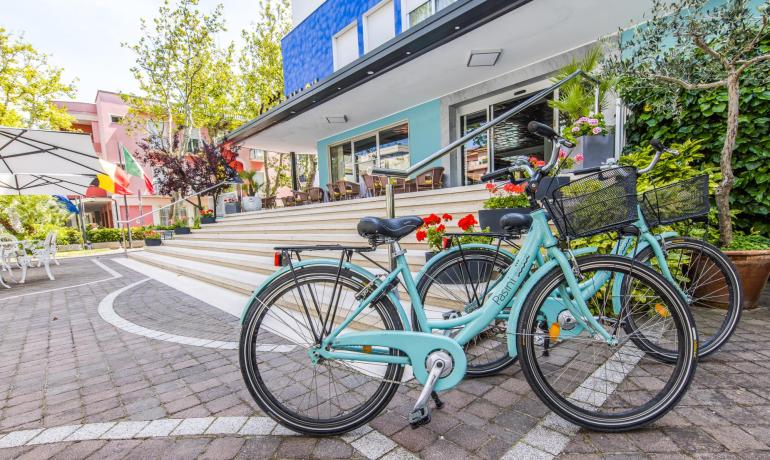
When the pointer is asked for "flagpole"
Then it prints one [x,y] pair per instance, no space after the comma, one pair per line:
[141,208]
[125,204]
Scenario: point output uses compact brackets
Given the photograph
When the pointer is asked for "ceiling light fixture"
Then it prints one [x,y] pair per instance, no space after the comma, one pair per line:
[483,58]
[336,119]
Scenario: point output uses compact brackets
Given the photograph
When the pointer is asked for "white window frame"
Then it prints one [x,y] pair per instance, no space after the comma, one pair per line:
[371,11]
[352,25]
[405,23]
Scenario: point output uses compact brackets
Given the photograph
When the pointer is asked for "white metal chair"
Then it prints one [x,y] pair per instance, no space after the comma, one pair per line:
[43,253]
[4,268]
[16,253]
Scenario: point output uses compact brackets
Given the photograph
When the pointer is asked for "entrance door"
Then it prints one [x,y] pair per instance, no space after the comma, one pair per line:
[476,150]
[511,137]
[365,153]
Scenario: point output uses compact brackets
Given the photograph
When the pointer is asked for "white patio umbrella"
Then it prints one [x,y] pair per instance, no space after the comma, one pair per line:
[41,162]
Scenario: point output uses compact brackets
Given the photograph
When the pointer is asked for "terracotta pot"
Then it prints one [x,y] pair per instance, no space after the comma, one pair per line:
[753,268]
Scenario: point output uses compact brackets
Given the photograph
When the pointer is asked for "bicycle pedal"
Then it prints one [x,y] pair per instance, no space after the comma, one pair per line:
[419,417]
[439,403]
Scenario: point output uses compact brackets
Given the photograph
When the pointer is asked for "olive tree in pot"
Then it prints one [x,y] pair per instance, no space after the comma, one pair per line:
[686,45]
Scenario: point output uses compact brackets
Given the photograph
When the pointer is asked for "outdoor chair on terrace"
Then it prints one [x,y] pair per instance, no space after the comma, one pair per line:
[300,197]
[288,201]
[334,192]
[315,194]
[348,190]
[15,255]
[373,185]
[429,180]
[268,202]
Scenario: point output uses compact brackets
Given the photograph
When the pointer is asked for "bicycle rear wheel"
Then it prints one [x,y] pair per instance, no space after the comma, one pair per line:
[712,286]
[600,386]
[324,398]
[457,284]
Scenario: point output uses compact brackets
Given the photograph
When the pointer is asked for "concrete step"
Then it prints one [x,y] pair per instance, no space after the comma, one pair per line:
[415,258]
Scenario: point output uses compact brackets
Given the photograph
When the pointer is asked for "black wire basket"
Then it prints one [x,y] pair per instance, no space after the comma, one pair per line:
[596,203]
[684,200]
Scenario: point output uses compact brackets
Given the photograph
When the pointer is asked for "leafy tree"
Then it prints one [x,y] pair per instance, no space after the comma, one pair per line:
[686,46]
[184,77]
[23,216]
[261,63]
[28,85]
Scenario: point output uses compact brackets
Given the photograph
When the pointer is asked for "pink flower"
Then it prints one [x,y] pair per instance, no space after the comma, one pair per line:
[562,153]
[596,130]
[582,120]
[579,157]
[575,129]
[593,122]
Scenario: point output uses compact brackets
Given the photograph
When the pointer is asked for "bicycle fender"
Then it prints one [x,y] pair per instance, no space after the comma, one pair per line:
[328,262]
[428,266]
[518,302]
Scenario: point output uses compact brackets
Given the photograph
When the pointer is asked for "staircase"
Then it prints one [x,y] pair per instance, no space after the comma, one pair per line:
[237,252]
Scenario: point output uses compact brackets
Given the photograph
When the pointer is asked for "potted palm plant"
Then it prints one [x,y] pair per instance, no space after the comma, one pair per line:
[181,227]
[251,201]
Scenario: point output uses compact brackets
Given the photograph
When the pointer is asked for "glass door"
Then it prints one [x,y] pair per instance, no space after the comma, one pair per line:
[476,150]
[342,166]
[365,152]
[511,137]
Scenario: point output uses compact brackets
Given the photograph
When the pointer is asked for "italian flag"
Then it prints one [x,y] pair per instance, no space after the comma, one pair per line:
[133,169]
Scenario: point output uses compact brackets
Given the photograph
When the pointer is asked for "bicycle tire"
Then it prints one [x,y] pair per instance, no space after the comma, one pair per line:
[259,388]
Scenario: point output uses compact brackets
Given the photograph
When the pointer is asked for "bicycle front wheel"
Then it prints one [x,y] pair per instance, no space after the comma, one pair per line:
[329,396]
[712,287]
[590,382]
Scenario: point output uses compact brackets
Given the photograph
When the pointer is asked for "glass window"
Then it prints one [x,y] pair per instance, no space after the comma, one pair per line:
[365,151]
[511,137]
[341,157]
[380,26]
[420,13]
[443,3]
[394,147]
[256,154]
[476,150]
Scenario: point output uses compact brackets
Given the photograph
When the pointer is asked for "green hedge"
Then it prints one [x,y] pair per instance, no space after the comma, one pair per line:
[704,116]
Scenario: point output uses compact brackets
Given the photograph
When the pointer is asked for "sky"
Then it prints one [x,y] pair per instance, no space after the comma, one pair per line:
[84,36]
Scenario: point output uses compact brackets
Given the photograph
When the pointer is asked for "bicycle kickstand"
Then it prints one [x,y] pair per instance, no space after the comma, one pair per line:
[440,364]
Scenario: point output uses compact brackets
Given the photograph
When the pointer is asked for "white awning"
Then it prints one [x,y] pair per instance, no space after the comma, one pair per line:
[40,162]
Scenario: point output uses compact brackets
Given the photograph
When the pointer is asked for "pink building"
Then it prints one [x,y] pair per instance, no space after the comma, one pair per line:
[102,119]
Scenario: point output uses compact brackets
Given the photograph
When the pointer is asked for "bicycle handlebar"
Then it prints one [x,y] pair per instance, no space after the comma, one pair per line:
[659,149]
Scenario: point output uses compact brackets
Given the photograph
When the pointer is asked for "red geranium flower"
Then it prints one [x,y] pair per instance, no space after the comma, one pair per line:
[432,220]
[513,188]
[440,228]
[446,217]
[421,235]
[540,163]
[533,159]
[467,222]
[490,186]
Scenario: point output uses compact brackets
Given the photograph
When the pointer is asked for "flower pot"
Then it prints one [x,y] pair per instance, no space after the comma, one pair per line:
[753,269]
[208,219]
[251,203]
[232,208]
[472,273]
[491,217]
[152,242]
[595,149]
[182,230]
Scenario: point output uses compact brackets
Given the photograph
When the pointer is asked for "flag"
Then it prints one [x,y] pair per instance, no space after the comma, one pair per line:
[105,182]
[67,204]
[120,180]
[133,169]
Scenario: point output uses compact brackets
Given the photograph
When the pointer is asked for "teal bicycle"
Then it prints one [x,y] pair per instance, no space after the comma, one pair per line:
[456,281]
[325,343]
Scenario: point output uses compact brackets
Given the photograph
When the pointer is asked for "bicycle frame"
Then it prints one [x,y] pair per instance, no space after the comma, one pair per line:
[376,346]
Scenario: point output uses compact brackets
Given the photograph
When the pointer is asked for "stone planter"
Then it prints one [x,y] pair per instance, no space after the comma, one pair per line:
[472,273]
[208,219]
[232,208]
[753,269]
[182,230]
[152,242]
[251,203]
[595,149]
[491,217]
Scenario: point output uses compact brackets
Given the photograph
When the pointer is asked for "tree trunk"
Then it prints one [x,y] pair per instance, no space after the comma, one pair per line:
[726,161]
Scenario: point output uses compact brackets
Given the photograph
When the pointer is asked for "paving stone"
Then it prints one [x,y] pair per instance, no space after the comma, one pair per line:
[332,448]
[124,430]
[257,426]
[414,440]
[226,425]
[193,426]
[158,428]
[296,447]
[373,444]
[56,434]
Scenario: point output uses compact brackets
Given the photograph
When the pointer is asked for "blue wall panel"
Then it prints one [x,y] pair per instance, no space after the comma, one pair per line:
[424,134]
[307,49]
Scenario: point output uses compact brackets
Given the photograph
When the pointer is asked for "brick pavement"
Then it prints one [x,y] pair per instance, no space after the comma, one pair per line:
[64,369]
